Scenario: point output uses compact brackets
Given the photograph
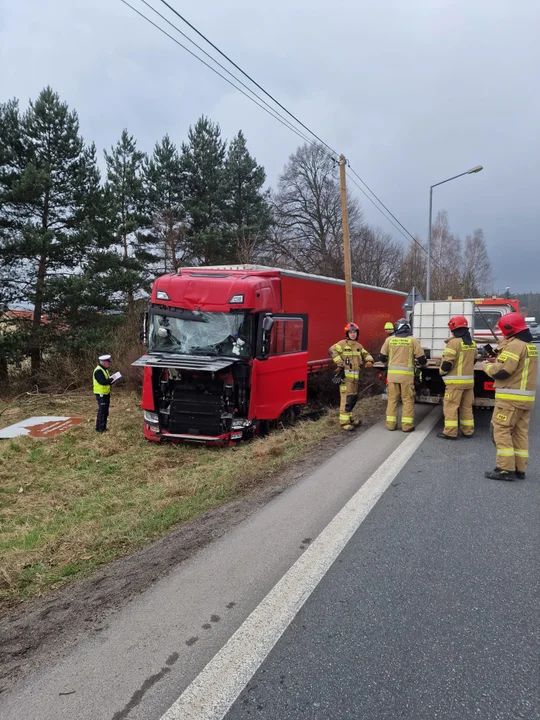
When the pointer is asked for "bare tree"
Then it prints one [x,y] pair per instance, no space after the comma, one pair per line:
[446,267]
[477,277]
[413,268]
[307,233]
[376,258]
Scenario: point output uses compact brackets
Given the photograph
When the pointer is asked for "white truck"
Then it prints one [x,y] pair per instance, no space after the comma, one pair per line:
[429,321]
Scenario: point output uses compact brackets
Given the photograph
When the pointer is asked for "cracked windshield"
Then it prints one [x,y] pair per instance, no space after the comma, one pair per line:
[212,333]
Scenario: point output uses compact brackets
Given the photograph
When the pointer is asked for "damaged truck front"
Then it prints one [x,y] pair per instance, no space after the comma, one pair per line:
[208,336]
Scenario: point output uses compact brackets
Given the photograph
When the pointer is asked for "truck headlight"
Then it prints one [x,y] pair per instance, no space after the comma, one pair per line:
[151,417]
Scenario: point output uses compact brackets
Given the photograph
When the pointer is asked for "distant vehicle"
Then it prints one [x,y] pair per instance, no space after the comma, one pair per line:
[534,327]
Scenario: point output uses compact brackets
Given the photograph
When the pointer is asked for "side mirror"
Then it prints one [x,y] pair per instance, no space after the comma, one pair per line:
[268,323]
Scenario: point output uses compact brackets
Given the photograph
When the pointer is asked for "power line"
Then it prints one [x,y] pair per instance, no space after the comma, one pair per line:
[383,214]
[213,59]
[268,109]
[245,74]
[384,206]
[276,117]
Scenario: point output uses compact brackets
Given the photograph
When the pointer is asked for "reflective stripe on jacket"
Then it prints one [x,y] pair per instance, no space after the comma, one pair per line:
[350,355]
[98,388]
[401,352]
[463,358]
[520,360]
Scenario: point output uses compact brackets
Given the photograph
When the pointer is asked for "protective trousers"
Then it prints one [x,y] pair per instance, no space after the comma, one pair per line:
[103,402]
[511,436]
[348,396]
[403,391]
[458,400]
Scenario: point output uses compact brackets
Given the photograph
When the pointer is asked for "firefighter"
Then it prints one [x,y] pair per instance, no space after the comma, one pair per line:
[349,356]
[514,370]
[399,353]
[102,391]
[457,369]
[389,329]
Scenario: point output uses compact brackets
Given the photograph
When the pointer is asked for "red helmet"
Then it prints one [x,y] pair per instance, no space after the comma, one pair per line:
[458,322]
[351,326]
[511,324]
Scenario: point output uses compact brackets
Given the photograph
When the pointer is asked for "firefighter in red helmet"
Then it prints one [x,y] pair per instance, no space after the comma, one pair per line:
[457,369]
[349,356]
[514,370]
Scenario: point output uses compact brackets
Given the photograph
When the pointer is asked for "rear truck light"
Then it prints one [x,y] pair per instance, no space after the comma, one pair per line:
[162,295]
[151,417]
[489,386]
[236,300]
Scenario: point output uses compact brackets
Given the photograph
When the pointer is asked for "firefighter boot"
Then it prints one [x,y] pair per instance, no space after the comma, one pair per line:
[499,474]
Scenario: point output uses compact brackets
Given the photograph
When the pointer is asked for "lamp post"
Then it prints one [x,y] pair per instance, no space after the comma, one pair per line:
[475,169]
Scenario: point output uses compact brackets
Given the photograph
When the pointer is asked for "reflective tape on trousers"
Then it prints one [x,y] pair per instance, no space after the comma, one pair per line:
[521,395]
[459,379]
[505,452]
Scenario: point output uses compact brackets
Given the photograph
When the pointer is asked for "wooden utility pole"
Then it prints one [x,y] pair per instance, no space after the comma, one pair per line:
[346,239]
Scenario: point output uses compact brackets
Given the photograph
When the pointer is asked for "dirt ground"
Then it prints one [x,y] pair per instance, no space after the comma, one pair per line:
[47,627]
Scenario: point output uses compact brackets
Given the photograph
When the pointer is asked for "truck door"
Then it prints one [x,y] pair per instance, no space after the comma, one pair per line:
[280,380]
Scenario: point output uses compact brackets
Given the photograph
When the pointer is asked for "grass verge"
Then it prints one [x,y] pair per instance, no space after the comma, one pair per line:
[73,503]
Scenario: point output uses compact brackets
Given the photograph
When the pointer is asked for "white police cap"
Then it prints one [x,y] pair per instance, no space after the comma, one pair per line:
[104,357]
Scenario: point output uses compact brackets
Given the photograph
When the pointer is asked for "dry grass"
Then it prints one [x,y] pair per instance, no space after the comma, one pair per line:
[70,504]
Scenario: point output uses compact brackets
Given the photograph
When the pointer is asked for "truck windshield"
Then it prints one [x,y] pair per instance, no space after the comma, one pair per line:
[482,318]
[202,333]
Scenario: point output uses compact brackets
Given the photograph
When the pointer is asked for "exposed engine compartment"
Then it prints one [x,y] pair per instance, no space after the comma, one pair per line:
[201,402]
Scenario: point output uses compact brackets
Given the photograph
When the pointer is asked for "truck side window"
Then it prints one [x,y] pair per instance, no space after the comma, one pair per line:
[286,336]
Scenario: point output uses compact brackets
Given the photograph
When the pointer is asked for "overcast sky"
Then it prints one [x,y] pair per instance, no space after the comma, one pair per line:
[411,91]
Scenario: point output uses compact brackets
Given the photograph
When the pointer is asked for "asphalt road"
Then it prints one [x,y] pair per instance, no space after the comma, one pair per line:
[143,658]
[429,611]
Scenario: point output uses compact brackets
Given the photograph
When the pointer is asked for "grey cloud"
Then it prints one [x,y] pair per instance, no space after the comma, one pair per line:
[411,92]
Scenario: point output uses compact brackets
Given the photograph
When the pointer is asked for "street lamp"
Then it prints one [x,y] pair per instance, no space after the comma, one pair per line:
[473,170]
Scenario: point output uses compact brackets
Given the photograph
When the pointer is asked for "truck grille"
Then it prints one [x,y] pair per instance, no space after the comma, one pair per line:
[194,413]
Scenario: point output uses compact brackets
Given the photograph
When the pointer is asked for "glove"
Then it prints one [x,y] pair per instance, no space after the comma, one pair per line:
[338,376]
[368,364]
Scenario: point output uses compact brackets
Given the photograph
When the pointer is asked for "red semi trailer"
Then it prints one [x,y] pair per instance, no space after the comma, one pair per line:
[230,348]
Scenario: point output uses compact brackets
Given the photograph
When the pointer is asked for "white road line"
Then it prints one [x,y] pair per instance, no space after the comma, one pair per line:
[214,690]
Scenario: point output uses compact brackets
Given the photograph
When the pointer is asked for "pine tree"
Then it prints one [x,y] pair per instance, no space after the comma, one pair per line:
[203,159]
[165,192]
[40,204]
[248,211]
[124,195]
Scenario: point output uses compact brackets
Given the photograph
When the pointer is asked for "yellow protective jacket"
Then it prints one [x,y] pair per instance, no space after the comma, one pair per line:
[515,371]
[350,355]
[399,354]
[462,358]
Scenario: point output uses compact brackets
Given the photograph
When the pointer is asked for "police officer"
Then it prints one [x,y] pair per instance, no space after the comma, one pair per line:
[349,356]
[514,370]
[457,369]
[399,353]
[102,391]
